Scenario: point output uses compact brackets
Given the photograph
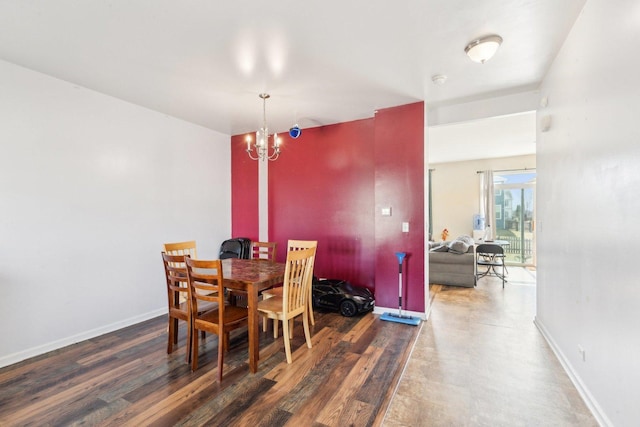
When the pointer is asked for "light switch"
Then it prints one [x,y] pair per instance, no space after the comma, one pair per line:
[405,227]
[386,211]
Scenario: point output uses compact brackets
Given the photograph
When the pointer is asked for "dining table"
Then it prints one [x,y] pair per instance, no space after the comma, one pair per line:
[251,276]
[493,242]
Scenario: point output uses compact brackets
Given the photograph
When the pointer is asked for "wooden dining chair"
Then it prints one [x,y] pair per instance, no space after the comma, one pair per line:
[295,298]
[178,296]
[293,245]
[264,250]
[187,248]
[206,285]
[181,248]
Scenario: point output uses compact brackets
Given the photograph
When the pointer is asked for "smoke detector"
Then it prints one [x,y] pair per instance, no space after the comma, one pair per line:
[439,79]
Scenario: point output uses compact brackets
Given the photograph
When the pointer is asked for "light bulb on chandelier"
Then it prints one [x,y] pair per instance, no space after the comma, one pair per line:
[261,145]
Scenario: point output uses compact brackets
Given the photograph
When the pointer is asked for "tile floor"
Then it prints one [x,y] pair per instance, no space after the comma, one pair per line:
[480,361]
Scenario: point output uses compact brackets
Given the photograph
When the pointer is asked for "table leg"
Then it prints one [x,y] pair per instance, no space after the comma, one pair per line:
[254,350]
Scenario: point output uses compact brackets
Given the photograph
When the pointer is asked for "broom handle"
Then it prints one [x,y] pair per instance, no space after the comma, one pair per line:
[400,288]
[400,256]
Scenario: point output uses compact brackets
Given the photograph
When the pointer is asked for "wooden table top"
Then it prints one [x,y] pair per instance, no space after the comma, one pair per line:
[250,271]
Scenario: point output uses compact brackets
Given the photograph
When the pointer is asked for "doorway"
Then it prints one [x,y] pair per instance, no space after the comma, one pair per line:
[515,194]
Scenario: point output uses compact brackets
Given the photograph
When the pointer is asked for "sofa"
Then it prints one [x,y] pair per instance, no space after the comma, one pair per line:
[453,263]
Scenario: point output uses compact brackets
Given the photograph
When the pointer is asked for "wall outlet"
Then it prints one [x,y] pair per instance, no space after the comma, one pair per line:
[582,353]
[405,227]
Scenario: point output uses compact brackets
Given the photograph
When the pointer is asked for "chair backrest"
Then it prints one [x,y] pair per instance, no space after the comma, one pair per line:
[294,245]
[187,248]
[490,249]
[205,284]
[181,248]
[297,279]
[235,248]
[176,277]
[264,250]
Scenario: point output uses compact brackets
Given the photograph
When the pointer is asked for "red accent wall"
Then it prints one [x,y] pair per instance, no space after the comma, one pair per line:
[322,188]
[330,184]
[244,191]
[399,157]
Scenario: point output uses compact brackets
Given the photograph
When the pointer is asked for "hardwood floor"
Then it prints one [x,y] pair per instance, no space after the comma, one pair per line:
[126,378]
[478,361]
[481,361]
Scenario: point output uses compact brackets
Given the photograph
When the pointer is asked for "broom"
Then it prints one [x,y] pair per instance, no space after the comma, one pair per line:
[400,318]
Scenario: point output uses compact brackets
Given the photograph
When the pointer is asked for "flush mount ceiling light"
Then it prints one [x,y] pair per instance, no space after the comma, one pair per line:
[261,146]
[481,50]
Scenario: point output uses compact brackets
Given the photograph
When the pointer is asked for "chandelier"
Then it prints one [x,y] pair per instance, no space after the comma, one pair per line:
[261,145]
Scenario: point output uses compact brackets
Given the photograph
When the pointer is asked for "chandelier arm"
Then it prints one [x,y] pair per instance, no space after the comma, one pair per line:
[274,156]
[251,156]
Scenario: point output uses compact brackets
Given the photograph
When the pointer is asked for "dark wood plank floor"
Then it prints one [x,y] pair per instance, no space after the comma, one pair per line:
[126,378]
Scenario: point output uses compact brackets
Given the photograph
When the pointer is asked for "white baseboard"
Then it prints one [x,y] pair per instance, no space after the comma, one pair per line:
[10,359]
[591,403]
[381,310]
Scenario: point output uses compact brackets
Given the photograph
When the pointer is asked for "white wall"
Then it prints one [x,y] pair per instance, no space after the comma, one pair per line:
[90,188]
[456,191]
[588,205]
[494,106]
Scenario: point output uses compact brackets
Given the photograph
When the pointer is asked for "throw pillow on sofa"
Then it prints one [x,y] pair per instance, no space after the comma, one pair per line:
[467,239]
[461,245]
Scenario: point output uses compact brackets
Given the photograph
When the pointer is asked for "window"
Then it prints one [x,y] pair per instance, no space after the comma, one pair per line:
[515,214]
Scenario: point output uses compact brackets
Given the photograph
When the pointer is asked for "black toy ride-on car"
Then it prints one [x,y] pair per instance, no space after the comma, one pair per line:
[342,296]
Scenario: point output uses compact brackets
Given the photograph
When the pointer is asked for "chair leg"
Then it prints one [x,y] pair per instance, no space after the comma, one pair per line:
[171,333]
[265,323]
[189,343]
[194,352]
[287,342]
[223,339]
[226,341]
[307,334]
[266,320]
[310,310]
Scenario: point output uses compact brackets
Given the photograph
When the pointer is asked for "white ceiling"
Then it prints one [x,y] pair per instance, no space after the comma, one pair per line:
[322,62]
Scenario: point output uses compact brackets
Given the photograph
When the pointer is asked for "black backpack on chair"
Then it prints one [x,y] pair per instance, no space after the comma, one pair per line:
[239,247]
